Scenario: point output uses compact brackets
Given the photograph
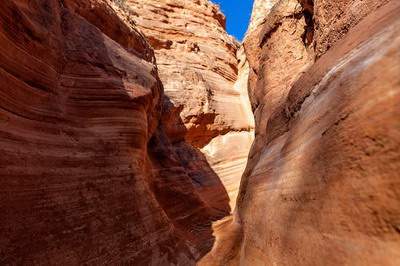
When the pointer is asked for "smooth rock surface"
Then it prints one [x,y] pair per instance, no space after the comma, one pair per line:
[98,166]
[87,173]
[77,109]
[322,182]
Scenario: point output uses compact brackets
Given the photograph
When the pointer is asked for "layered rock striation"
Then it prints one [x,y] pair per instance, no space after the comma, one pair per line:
[98,165]
[322,183]
[198,66]
[125,128]
[80,99]
[206,101]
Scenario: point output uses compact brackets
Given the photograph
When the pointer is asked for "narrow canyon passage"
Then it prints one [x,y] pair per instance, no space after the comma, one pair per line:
[140,132]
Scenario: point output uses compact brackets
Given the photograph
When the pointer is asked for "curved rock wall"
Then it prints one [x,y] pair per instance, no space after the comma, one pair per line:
[98,165]
[322,183]
[77,109]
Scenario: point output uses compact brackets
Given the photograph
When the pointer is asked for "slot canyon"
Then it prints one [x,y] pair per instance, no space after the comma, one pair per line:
[139,132]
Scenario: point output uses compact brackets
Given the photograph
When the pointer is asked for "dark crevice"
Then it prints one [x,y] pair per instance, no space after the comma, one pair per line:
[308,35]
[308,13]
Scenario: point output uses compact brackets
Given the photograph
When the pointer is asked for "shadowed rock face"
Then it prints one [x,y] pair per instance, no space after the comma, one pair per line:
[98,165]
[322,183]
[77,110]
[87,173]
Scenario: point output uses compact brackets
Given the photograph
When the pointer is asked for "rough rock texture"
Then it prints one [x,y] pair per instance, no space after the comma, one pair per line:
[277,56]
[206,100]
[333,19]
[261,9]
[87,173]
[322,183]
[198,66]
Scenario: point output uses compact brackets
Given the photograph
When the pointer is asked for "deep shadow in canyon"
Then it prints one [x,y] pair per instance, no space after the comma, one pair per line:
[200,191]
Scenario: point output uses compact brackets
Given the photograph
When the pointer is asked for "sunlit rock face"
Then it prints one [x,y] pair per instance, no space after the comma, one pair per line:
[261,9]
[322,183]
[198,66]
[227,154]
[100,166]
[206,101]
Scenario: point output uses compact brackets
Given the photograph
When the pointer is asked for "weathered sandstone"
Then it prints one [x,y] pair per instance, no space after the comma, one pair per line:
[261,9]
[98,166]
[206,102]
[125,128]
[77,110]
[227,154]
[322,183]
[197,64]
[85,162]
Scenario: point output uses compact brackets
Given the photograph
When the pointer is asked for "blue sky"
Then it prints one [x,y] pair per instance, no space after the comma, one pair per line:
[237,14]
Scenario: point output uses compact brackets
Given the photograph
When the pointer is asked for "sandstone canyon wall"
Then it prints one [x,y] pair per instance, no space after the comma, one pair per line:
[322,183]
[125,128]
[206,95]
[78,106]
[98,165]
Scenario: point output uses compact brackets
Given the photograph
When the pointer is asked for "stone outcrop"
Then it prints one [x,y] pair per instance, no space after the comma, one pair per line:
[261,9]
[206,100]
[198,66]
[98,164]
[322,183]
[227,154]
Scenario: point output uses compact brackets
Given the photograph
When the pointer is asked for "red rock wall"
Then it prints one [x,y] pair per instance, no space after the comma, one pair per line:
[204,106]
[99,166]
[87,174]
[322,183]
[198,66]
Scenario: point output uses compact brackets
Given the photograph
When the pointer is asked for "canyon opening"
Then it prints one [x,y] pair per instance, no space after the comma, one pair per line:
[140,132]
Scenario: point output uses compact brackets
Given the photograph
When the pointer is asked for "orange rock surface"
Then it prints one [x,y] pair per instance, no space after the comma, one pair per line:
[125,128]
[322,183]
[198,66]
[98,165]
[206,100]
[77,107]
